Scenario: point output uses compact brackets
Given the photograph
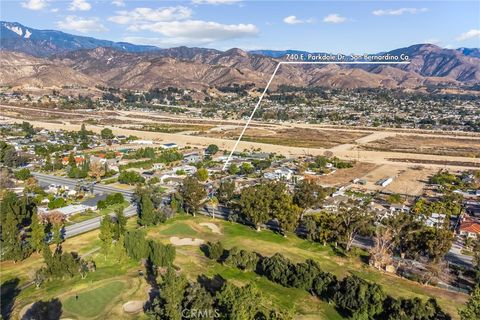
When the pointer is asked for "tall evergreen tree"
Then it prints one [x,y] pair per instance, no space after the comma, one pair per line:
[37,233]
[106,233]
[471,311]
[147,210]
[11,243]
[121,223]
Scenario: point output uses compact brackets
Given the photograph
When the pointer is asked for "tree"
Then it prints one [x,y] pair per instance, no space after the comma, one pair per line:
[242,259]
[197,298]
[213,202]
[146,211]
[37,233]
[246,168]
[28,129]
[212,149]
[11,242]
[169,303]
[106,134]
[233,169]
[435,242]
[192,193]
[237,303]
[214,250]
[471,310]
[226,191]
[202,174]
[359,298]
[130,177]
[107,230]
[308,194]
[23,174]
[381,252]
[57,231]
[476,259]
[255,204]
[161,255]
[286,213]
[121,223]
[135,244]
[321,227]
[97,170]
[351,220]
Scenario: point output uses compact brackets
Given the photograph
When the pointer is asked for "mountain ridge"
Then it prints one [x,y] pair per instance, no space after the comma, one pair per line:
[200,68]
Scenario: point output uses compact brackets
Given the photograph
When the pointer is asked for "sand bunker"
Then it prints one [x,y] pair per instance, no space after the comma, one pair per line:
[24,310]
[133,306]
[213,227]
[176,241]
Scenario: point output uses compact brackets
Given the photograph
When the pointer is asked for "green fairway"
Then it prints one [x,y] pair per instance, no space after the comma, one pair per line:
[93,302]
[193,263]
[179,229]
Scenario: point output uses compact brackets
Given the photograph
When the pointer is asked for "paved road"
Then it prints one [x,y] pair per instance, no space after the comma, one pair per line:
[454,256]
[94,223]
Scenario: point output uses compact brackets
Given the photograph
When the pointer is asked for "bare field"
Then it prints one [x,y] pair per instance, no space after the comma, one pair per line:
[409,180]
[294,137]
[427,145]
[345,176]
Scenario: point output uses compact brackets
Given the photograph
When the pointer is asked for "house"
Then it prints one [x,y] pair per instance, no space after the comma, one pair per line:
[469,228]
[279,174]
[66,211]
[436,220]
[189,170]
[78,160]
[145,142]
[191,157]
[92,202]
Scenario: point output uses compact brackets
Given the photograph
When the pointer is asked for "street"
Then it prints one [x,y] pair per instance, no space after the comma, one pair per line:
[454,256]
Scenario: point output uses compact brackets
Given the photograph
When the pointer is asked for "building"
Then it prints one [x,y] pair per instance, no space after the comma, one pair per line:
[436,220]
[66,211]
[169,146]
[145,142]
[191,157]
[279,174]
[384,182]
[469,228]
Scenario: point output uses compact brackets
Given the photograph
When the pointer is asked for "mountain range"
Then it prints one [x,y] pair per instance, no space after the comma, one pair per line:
[48,58]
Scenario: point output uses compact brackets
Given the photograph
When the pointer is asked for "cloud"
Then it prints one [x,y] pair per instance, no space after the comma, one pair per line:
[79,5]
[118,3]
[193,32]
[34,4]
[471,34]
[143,15]
[398,12]
[295,20]
[82,25]
[215,2]
[334,18]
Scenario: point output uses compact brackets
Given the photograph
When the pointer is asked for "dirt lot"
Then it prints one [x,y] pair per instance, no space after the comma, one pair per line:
[345,176]
[295,137]
[409,180]
[427,145]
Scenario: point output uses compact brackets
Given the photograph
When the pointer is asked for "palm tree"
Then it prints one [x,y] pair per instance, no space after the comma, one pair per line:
[213,201]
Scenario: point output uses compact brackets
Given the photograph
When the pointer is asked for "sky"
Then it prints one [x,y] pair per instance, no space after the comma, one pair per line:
[317,26]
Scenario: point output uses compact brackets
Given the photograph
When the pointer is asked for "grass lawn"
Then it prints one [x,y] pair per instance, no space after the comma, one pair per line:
[193,263]
[93,302]
[103,292]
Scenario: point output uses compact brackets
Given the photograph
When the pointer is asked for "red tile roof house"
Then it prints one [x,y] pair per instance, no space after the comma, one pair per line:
[469,228]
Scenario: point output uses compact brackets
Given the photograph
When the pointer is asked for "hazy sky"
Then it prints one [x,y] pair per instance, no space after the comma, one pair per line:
[325,26]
